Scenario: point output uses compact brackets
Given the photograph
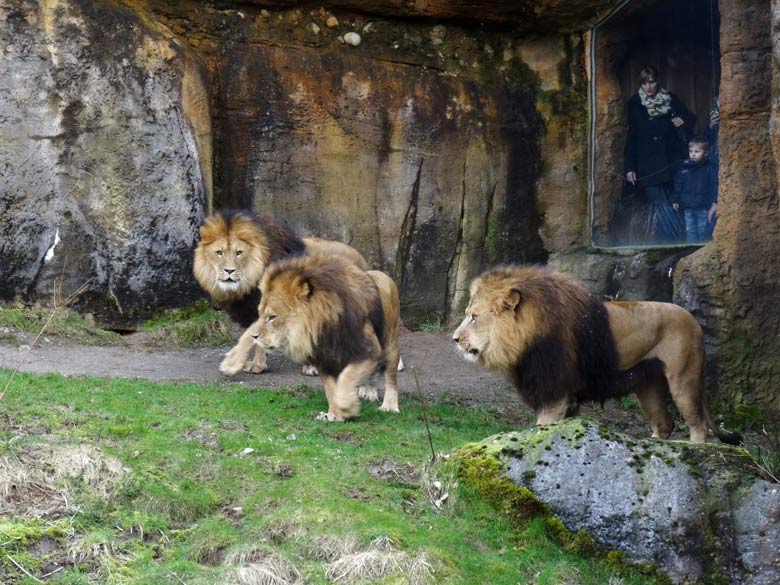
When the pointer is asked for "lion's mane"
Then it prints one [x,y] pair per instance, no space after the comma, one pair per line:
[342,298]
[266,241]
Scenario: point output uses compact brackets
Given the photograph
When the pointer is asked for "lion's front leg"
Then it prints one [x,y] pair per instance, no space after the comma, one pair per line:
[236,358]
[553,412]
[343,399]
[329,383]
[259,363]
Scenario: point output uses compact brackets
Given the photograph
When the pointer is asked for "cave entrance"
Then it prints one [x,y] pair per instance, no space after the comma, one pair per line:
[681,40]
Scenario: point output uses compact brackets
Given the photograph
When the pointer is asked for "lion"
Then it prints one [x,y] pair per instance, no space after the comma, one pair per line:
[561,346]
[324,310]
[234,250]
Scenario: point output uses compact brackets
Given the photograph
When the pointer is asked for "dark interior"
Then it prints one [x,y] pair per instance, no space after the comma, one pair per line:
[681,40]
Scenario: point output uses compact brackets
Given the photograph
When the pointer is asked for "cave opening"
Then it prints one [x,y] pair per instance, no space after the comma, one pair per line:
[681,41]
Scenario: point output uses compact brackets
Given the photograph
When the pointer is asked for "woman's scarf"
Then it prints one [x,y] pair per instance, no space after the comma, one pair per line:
[658,105]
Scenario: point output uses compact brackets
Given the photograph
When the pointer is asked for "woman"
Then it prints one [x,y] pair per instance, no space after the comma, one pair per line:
[659,128]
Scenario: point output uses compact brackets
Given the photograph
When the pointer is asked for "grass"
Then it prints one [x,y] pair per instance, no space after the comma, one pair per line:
[435,326]
[64,323]
[217,484]
[195,326]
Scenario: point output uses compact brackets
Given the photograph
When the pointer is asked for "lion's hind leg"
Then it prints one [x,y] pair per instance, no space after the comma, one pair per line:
[652,398]
[687,393]
[390,401]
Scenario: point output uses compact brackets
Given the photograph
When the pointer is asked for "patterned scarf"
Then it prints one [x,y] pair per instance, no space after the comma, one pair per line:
[658,105]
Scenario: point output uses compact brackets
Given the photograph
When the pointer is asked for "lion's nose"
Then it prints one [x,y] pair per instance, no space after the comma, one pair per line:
[456,339]
[230,271]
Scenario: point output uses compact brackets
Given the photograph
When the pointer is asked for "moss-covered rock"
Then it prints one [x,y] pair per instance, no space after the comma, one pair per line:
[698,512]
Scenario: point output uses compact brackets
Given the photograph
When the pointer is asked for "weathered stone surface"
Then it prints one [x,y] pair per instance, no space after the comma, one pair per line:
[695,511]
[525,15]
[102,120]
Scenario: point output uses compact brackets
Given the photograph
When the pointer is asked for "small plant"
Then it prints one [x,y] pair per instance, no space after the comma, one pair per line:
[434,326]
[197,325]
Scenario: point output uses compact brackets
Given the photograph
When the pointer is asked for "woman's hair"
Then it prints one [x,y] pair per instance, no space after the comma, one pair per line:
[648,72]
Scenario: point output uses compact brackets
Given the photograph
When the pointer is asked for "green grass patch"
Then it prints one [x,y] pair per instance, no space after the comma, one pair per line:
[63,323]
[221,484]
[196,326]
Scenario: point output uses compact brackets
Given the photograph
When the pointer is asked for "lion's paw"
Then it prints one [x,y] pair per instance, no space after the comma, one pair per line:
[328,417]
[230,366]
[251,368]
[309,370]
[369,393]
[389,408]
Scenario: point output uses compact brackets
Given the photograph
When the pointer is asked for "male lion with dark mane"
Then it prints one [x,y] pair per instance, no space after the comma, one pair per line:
[561,346]
[234,250]
[324,310]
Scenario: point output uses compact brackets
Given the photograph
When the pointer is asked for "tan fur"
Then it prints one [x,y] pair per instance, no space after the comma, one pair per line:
[294,312]
[230,261]
[499,336]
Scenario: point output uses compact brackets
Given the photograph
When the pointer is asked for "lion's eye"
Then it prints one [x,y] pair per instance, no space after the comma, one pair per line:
[219,253]
[238,253]
[472,318]
[270,318]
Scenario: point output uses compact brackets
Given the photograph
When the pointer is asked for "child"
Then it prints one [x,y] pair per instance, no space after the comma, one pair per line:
[696,192]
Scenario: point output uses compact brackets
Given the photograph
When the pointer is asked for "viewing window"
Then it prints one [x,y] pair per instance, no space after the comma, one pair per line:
[654,155]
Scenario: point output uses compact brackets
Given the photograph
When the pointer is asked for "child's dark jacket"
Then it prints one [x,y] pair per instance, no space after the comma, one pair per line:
[695,184]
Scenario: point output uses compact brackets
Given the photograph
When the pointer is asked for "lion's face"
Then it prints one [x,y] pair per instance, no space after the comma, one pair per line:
[229,259]
[488,334]
[284,322]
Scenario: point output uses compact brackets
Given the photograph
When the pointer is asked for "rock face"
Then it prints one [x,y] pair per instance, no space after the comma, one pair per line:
[102,120]
[695,511]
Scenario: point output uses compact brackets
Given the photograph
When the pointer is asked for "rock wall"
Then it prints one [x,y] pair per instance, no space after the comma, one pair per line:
[104,151]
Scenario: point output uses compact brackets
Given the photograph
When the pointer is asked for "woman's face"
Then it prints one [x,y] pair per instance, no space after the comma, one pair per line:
[650,86]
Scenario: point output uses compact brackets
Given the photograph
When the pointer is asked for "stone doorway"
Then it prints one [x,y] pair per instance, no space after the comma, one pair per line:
[681,40]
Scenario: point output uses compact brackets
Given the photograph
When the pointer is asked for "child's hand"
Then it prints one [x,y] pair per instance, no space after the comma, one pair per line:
[675,206]
[631,177]
[678,121]
[712,213]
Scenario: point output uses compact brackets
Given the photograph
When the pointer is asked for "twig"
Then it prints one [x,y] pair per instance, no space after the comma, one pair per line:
[23,570]
[54,311]
[172,574]
[425,414]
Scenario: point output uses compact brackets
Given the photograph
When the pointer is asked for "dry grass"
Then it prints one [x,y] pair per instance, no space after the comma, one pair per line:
[260,566]
[381,559]
[36,480]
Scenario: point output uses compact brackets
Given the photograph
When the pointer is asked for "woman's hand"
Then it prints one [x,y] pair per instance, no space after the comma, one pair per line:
[678,121]
[631,177]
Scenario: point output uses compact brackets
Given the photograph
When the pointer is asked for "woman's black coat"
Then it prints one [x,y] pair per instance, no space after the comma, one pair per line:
[654,145]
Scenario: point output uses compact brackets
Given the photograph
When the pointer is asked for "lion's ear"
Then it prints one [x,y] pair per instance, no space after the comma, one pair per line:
[305,289]
[512,300]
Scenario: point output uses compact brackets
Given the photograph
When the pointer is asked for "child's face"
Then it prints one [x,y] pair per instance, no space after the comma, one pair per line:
[650,86]
[696,152]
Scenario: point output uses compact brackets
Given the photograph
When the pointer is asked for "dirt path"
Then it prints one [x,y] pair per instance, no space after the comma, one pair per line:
[442,375]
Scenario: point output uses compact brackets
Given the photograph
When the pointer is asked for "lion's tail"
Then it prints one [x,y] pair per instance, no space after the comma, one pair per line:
[728,437]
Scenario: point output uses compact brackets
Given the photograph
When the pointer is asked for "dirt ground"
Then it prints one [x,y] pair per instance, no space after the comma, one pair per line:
[432,365]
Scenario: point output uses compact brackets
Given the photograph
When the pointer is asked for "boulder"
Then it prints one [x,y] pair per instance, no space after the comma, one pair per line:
[697,512]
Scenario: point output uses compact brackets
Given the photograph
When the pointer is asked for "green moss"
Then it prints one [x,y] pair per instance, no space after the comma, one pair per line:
[485,474]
